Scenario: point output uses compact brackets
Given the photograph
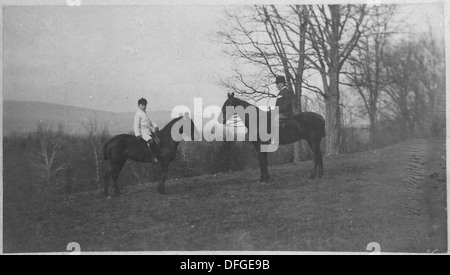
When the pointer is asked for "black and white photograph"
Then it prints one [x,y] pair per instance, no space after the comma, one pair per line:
[224,127]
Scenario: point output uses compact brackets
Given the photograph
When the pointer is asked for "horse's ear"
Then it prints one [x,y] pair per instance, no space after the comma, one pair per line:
[232,95]
[229,95]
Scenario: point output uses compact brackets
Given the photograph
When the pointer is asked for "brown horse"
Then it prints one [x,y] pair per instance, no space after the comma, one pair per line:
[123,147]
[308,126]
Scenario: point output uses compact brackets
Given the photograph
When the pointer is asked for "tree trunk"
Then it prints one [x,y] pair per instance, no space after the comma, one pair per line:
[298,150]
[372,130]
[300,147]
[333,115]
[332,98]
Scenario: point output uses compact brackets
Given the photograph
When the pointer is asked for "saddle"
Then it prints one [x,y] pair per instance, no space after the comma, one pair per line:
[152,145]
[153,141]
[284,120]
[291,126]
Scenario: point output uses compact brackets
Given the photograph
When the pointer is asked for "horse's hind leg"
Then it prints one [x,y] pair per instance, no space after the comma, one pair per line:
[320,160]
[315,148]
[161,186]
[116,168]
[106,180]
[263,163]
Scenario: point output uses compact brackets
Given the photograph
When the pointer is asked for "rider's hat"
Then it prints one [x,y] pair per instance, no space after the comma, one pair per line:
[142,101]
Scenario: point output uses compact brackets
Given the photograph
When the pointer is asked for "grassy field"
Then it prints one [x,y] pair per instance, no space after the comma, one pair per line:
[395,196]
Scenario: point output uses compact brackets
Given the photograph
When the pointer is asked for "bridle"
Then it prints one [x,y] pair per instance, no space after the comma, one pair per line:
[234,122]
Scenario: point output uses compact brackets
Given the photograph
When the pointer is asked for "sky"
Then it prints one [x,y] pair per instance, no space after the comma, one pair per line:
[107,57]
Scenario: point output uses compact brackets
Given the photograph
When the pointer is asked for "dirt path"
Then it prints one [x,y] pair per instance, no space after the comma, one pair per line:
[395,196]
[421,157]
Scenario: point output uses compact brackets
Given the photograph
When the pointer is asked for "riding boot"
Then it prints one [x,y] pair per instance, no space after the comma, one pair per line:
[155,150]
[157,142]
[152,150]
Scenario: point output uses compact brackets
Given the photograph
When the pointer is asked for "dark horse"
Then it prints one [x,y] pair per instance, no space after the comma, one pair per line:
[123,147]
[311,128]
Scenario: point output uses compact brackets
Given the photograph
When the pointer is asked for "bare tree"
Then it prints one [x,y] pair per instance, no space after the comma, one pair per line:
[432,67]
[365,65]
[401,69]
[416,90]
[47,159]
[96,136]
[269,40]
[334,32]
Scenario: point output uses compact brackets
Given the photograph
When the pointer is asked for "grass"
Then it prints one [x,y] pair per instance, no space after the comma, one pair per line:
[362,198]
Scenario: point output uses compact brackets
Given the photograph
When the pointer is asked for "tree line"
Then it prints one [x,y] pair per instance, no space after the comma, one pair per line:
[49,162]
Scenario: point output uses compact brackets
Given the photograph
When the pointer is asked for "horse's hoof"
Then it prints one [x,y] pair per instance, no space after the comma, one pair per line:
[311,177]
[161,191]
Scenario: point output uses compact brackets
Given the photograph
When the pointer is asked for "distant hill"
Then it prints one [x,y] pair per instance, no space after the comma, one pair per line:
[22,117]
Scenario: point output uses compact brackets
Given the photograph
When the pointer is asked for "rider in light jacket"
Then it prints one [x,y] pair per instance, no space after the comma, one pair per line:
[146,129]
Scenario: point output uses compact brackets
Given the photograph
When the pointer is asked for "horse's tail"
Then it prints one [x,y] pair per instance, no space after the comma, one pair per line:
[319,121]
[105,152]
[322,131]
[322,128]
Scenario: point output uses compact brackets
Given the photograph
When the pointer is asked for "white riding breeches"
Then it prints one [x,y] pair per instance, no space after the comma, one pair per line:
[146,134]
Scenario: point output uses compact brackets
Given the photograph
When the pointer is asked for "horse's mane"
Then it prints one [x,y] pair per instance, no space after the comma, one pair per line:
[243,102]
[246,104]
[167,130]
[170,124]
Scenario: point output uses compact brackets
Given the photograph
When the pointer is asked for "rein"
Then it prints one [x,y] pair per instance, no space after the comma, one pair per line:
[235,116]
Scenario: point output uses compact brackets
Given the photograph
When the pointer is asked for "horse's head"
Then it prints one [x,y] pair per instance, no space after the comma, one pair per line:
[231,102]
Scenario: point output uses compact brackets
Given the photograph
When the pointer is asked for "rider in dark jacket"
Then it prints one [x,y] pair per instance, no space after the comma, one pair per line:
[285,100]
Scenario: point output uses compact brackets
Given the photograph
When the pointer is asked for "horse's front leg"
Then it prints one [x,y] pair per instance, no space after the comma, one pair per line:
[315,147]
[164,171]
[262,157]
[116,168]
